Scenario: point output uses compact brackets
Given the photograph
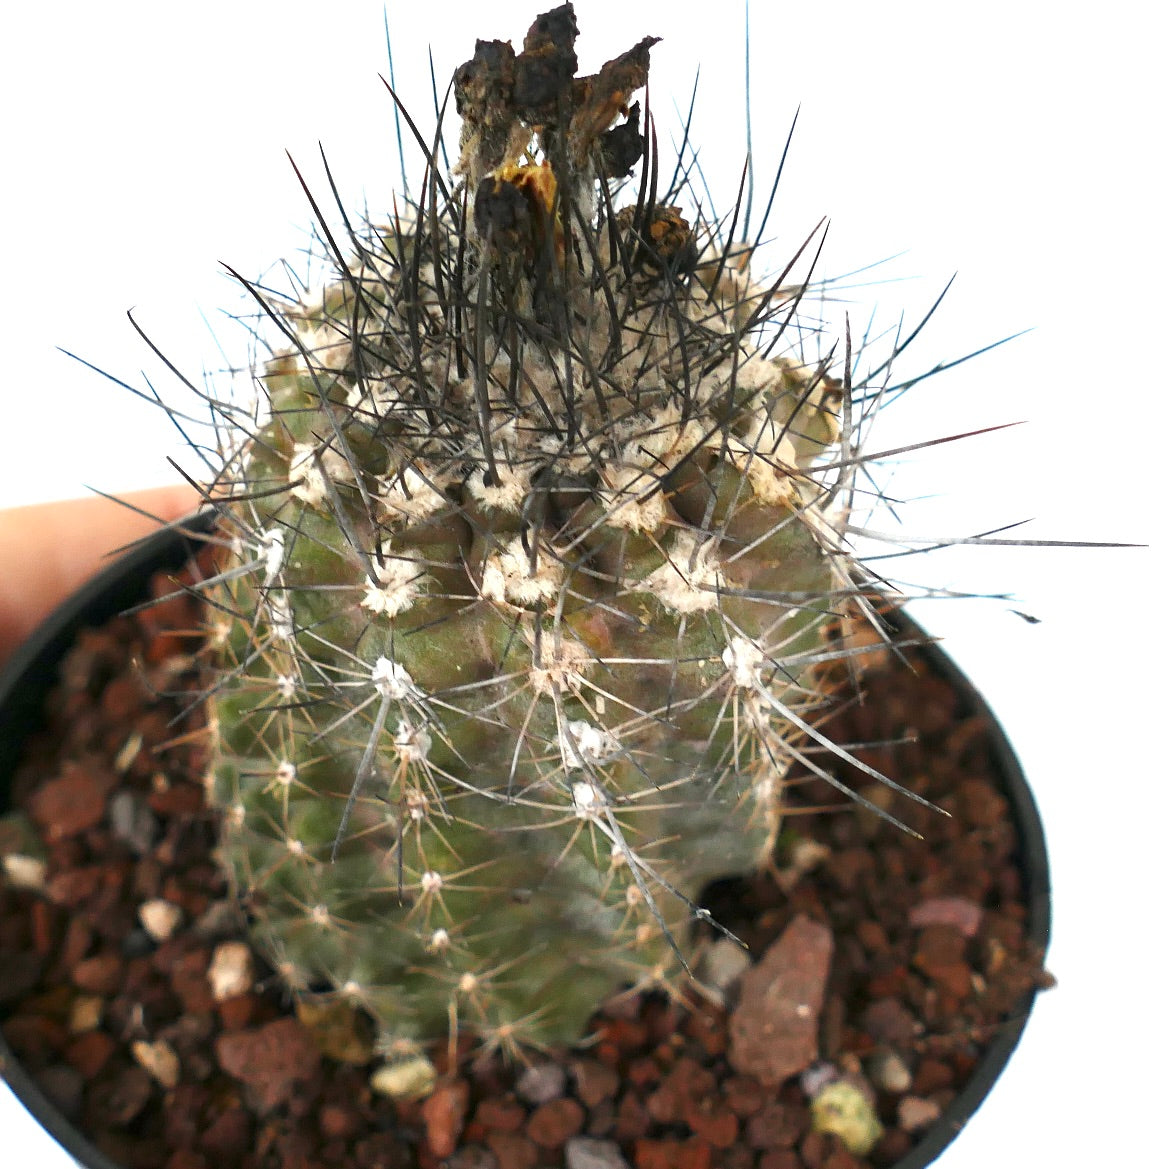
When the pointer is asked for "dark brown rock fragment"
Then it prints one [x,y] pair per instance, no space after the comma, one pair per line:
[270,1060]
[774,1027]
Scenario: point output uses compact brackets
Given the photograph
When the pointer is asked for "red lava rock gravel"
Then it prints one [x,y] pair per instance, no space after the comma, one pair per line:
[883,956]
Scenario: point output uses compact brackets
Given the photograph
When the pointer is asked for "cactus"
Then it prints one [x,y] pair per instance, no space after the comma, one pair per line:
[524,575]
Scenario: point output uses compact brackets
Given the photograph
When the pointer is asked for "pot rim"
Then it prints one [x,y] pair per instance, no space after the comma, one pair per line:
[30,673]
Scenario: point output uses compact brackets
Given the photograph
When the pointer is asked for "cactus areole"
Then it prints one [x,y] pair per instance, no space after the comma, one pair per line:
[525,569]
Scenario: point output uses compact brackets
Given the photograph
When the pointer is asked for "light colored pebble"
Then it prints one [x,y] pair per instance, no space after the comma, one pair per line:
[232,970]
[128,753]
[541,1082]
[723,964]
[406,1079]
[888,1071]
[160,918]
[586,1153]
[844,1109]
[25,872]
[85,1013]
[159,1060]
[962,914]
[132,821]
[22,852]
[816,1077]
[914,1113]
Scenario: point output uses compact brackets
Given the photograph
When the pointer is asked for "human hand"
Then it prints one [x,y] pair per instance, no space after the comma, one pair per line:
[50,549]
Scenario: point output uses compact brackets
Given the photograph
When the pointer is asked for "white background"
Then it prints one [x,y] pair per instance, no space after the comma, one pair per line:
[1016,145]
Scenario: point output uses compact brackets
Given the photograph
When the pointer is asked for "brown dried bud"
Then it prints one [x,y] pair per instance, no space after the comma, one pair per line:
[546,67]
[622,147]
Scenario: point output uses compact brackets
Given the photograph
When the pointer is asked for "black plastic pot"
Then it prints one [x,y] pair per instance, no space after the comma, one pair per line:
[25,683]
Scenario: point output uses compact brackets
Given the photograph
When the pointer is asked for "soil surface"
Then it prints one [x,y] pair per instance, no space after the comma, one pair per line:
[884,964]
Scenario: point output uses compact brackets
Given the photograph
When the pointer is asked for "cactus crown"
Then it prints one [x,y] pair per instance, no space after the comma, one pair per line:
[524,574]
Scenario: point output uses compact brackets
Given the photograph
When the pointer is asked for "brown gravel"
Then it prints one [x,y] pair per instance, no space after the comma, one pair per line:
[775,1026]
[906,954]
[271,1061]
[72,802]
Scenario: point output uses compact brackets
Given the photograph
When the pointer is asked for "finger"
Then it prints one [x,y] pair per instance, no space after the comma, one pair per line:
[50,549]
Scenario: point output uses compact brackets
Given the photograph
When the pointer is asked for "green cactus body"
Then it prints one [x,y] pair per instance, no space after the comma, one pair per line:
[523,581]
